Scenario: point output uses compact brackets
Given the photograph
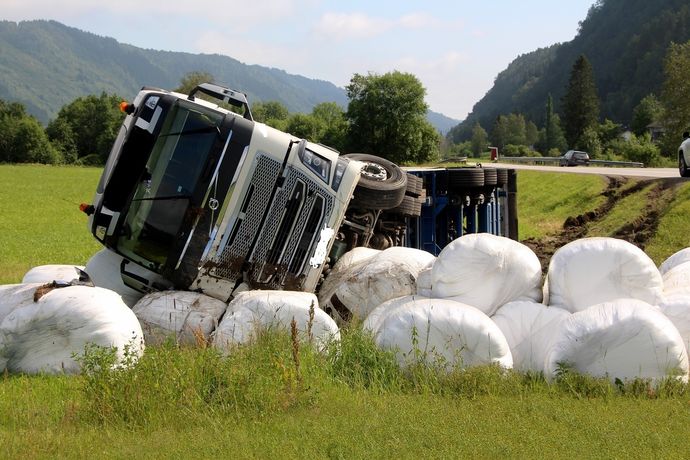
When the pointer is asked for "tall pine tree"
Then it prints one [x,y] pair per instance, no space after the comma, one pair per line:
[580,102]
[553,134]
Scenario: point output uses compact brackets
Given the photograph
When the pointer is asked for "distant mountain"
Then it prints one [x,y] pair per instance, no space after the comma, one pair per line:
[45,65]
[624,40]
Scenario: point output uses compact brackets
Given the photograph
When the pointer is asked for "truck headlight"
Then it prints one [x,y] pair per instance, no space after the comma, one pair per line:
[316,163]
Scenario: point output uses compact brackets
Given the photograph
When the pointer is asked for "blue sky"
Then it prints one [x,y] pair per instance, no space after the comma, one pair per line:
[455,48]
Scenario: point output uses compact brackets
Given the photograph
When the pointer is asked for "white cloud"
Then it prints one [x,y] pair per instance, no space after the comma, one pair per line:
[234,14]
[252,51]
[418,21]
[342,26]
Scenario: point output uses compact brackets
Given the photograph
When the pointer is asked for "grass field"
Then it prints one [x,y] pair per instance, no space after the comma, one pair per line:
[40,221]
[352,404]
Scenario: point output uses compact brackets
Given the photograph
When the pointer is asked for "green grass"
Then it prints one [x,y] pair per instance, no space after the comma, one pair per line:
[545,200]
[673,232]
[40,221]
[255,403]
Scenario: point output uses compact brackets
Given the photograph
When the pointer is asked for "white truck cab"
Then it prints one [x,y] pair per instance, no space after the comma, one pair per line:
[195,196]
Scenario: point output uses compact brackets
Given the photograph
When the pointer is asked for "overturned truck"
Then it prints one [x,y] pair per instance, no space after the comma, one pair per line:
[196,195]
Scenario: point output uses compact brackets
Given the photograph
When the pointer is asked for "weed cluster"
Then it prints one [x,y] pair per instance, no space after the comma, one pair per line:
[172,384]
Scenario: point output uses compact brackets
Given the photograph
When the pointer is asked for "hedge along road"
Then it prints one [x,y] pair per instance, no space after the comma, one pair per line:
[649,173]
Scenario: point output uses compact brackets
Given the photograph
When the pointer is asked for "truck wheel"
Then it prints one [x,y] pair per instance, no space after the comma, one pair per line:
[410,206]
[415,185]
[490,177]
[465,178]
[382,183]
[501,177]
[682,166]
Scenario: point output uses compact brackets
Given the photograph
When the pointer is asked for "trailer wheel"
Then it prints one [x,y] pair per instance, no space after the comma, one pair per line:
[382,183]
[465,177]
[501,177]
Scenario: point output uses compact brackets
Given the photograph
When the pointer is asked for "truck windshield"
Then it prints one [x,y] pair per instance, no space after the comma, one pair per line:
[163,196]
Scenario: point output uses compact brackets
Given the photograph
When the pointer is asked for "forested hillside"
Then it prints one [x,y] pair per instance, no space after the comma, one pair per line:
[45,65]
[624,40]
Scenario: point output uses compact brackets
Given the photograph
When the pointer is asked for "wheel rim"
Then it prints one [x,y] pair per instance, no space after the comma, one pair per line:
[374,171]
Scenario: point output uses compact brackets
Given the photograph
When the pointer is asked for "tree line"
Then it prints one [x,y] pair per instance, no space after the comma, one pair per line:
[386,116]
[652,136]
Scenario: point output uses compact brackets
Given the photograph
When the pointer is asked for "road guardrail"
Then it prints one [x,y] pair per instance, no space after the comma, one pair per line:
[552,160]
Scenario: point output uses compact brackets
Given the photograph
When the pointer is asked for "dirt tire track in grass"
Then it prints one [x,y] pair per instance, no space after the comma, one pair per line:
[637,232]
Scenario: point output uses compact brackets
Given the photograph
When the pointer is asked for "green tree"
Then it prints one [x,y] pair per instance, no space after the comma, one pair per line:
[553,134]
[517,129]
[637,148]
[91,123]
[193,79]
[332,118]
[531,133]
[387,117]
[499,133]
[62,137]
[305,126]
[589,141]
[649,110]
[609,131]
[580,103]
[273,113]
[675,96]
[22,138]
[479,140]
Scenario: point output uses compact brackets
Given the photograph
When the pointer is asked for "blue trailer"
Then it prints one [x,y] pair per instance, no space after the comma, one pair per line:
[458,201]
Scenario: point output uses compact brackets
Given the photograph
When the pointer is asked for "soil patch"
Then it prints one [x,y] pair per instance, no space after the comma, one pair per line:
[637,232]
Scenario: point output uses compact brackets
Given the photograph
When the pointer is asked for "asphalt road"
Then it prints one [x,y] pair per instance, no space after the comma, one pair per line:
[650,173]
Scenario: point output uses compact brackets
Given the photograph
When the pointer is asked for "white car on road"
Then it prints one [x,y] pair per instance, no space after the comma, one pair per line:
[684,155]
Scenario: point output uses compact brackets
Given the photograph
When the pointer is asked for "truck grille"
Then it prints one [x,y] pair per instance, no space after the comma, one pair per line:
[285,243]
[232,256]
[286,237]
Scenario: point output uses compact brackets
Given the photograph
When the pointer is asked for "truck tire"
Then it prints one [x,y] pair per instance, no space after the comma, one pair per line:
[490,177]
[501,177]
[460,178]
[682,166]
[382,184]
[415,186]
[410,206]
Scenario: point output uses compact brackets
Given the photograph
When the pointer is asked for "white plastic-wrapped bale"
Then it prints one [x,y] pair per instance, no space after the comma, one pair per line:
[424,282]
[13,296]
[678,258]
[622,339]
[104,270]
[676,307]
[529,328]
[47,273]
[364,286]
[44,335]
[354,257]
[677,280]
[590,271]
[486,271]
[444,333]
[252,312]
[373,321]
[188,317]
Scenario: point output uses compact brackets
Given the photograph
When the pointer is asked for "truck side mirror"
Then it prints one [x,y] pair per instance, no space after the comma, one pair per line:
[686,134]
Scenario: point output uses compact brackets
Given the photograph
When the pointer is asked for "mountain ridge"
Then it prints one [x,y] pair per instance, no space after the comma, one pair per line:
[45,64]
